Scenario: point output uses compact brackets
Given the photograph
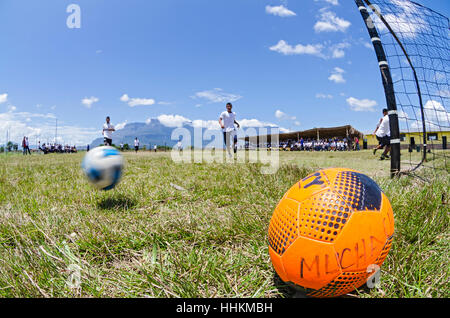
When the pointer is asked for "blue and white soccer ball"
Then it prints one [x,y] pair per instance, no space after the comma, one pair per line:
[103,166]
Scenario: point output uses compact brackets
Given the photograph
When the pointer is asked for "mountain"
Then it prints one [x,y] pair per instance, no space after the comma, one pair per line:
[154,132]
[148,134]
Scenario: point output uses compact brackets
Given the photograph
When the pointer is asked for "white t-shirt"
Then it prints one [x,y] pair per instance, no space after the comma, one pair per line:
[228,121]
[106,133]
[384,129]
[136,143]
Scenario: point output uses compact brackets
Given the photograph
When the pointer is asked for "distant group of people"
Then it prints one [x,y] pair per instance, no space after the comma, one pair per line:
[56,148]
[47,148]
[332,144]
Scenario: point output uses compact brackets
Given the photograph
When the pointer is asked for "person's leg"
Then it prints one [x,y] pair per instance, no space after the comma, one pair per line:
[228,143]
[379,145]
[386,151]
[386,143]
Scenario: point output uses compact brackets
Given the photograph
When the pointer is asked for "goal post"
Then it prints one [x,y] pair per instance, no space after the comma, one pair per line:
[388,87]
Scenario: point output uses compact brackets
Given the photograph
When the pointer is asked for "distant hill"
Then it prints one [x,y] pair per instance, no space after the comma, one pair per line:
[155,132]
[148,134]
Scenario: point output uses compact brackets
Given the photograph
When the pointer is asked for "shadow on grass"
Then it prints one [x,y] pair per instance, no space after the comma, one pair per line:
[289,290]
[116,203]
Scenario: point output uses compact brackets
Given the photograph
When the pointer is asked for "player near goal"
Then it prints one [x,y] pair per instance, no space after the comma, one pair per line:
[383,134]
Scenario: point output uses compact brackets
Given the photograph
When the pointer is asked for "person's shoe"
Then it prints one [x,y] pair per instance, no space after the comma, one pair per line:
[382,157]
[374,151]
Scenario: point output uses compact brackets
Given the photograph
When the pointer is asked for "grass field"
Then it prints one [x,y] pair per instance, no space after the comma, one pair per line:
[191,230]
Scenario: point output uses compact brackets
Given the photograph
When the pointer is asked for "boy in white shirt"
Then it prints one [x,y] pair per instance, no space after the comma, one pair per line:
[227,120]
[383,134]
[108,129]
[136,144]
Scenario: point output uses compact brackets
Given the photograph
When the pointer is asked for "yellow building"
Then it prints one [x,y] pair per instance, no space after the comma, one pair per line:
[438,139]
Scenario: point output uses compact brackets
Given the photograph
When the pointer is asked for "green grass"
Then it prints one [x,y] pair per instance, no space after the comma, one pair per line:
[148,238]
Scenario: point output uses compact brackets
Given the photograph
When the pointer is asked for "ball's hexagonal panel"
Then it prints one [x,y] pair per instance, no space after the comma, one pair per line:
[308,186]
[310,263]
[283,227]
[361,241]
[323,216]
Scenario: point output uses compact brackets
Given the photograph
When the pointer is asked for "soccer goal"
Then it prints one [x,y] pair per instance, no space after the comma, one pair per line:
[413,50]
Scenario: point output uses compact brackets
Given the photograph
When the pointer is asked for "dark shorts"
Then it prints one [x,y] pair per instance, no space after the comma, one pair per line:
[107,141]
[235,139]
[136,148]
[384,141]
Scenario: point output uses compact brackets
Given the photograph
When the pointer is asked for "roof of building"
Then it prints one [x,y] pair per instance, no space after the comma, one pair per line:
[331,132]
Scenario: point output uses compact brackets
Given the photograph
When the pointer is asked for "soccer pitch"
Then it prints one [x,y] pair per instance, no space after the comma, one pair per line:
[191,230]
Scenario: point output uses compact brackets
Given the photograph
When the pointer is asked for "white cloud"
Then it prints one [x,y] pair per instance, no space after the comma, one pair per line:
[324,96]
[337,50]
[133,102]
[337,76]
[141,102]
[125,98]
[333,2]
[121,125]
[444,93]
[217,95]
[208,124]
[368,45]
[280,11]
[3,98]
[406,23]
[89,101]
[436,116]
[325,51]
[255,123]
[12,108]
[329,22]
[284,48]
[173,120]
[281,115]
[41,127]
[361,105]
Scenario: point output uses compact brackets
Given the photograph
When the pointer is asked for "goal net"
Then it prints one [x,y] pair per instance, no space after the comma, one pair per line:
[415,42]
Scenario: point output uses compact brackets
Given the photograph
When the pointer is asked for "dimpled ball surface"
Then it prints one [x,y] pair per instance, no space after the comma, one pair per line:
[103,167]
[330,232]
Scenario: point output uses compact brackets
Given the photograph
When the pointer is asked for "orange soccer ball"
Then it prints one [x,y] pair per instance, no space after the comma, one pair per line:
[330,231]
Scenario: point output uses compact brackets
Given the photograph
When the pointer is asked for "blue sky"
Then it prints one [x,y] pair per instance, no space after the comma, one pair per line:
[295,64]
